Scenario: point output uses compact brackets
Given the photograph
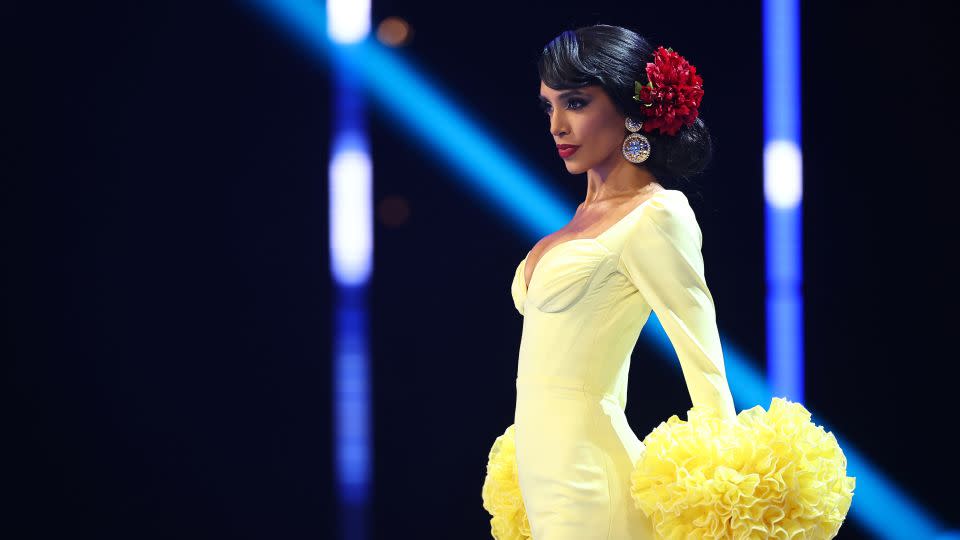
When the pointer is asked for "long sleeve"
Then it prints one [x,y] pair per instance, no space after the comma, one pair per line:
[662,258]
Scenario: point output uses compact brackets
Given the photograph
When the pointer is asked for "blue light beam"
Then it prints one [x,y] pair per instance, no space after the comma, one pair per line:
[522,196]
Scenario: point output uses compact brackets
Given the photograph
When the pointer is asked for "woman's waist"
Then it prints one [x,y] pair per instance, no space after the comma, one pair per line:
[543,386]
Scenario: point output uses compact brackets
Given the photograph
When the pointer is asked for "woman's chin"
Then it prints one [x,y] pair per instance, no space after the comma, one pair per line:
[573,167]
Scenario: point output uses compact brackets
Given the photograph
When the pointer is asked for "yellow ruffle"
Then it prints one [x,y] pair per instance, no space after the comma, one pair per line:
[501,491]
[767,474]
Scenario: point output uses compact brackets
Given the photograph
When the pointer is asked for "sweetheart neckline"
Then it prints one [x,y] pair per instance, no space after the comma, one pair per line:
[596,239]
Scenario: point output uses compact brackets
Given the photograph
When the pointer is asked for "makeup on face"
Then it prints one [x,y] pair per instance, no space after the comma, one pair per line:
[567,150]
[575,100]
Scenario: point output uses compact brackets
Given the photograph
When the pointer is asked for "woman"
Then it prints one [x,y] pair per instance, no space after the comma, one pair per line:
[626,115]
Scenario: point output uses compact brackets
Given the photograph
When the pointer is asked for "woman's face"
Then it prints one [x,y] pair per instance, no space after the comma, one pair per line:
[585,117]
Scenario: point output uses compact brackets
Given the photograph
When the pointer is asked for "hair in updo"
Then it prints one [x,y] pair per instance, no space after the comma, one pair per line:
[613,58]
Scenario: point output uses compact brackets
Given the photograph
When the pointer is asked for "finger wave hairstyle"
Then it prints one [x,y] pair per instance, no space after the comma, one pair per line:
[614,57]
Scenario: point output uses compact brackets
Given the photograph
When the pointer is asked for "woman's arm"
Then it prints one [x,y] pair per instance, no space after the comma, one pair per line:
[662,259]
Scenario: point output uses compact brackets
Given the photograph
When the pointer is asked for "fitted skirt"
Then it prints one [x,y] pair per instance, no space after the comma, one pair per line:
[575,453]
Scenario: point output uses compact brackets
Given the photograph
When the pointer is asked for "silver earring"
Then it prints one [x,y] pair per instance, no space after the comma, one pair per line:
[636,147]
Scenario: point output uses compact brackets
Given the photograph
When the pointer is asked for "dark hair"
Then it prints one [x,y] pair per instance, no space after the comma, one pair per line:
[613,58]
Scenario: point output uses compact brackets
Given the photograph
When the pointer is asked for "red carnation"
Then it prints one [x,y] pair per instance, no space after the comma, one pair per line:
[673,93]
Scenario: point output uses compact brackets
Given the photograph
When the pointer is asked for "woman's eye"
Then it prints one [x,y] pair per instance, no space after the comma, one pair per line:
[570,105]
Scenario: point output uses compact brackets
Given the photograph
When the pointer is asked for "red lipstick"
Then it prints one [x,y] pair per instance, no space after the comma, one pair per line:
[567,150]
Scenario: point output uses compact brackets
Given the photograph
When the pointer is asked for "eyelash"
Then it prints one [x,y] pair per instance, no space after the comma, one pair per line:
[546,108]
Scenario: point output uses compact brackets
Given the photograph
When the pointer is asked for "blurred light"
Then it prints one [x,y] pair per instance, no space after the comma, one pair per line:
[880,506]
[393,211]
[394,32]
[781,71]
[348,21]
[350,180]
[783,174]
[351,233]
[747,384]
[353,437]
[782,189]
[446,131]
[784,337]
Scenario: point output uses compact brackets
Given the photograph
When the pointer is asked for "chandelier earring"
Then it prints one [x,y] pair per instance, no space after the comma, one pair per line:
[636,147]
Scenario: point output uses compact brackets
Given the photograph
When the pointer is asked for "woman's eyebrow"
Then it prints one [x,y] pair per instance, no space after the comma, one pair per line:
[568,93]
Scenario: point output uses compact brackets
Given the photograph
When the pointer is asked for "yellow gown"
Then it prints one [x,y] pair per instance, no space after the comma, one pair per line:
[587,301]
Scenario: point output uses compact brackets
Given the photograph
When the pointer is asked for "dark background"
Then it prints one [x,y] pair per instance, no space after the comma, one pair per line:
[166,291]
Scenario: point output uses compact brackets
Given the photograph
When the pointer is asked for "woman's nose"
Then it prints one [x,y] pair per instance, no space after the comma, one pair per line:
[557,128]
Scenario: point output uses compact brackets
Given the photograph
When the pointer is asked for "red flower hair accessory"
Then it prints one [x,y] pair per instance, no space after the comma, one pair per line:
[673,93]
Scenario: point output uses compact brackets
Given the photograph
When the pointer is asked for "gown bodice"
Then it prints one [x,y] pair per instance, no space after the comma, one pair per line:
[589,298]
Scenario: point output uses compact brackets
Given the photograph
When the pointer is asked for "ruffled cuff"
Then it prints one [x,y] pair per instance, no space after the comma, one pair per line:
[765,474]
[501,491]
